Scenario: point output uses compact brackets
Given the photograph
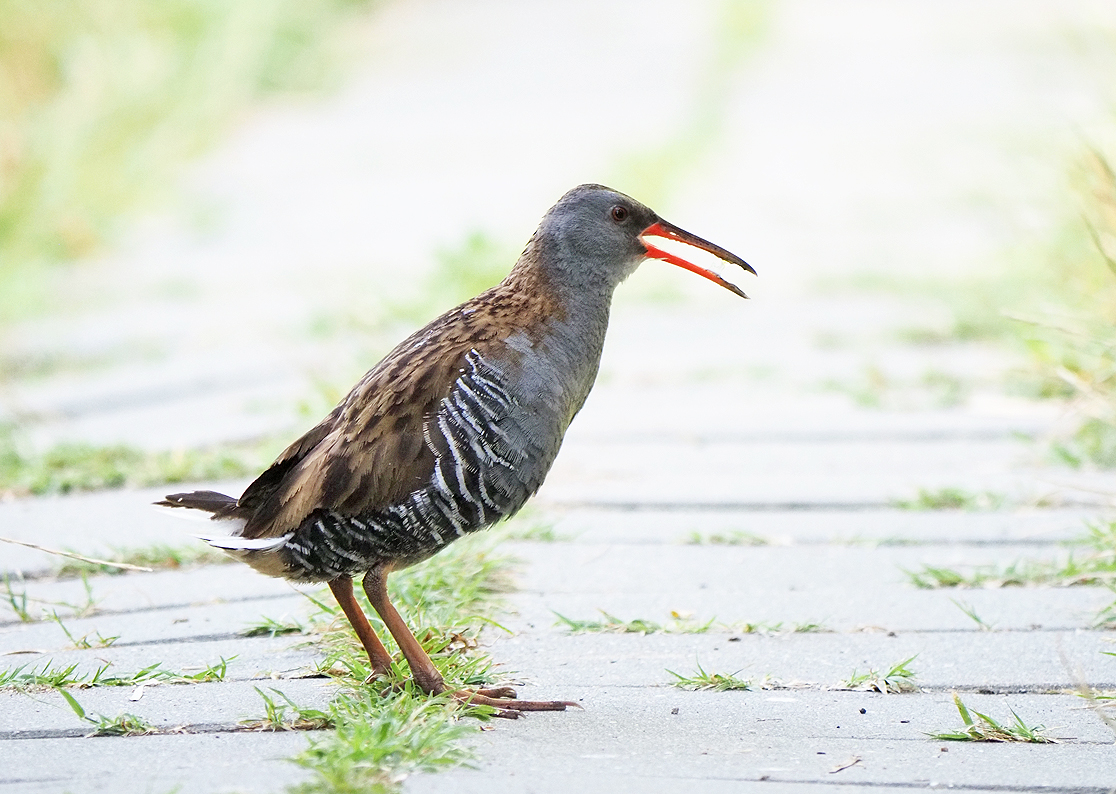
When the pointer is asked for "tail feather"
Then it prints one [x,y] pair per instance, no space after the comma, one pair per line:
[218,504]
[260,553]
[236,543]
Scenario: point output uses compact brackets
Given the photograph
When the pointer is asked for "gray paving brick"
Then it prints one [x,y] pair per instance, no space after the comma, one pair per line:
[168,707]
[628,737]
[219,762]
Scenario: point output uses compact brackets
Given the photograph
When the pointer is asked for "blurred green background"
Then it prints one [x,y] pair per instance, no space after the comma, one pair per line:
[102,101]
[103,104]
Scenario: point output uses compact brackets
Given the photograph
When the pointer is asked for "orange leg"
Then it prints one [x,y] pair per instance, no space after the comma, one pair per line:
[378,656]
[426,675]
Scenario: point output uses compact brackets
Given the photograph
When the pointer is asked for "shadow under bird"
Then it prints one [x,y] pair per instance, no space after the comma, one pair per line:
[456,428]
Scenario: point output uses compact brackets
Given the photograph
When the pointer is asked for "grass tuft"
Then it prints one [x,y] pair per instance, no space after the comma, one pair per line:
[20,603]
[679,624]
[160,556]
[986,729]
[120,725]
[898,678]
[380,738]
[711,682]
[1106,618]
[70,467]
[50,677]
[950,499]
[736,537]
[388,729]
[531,529]
[286,715]
[269,627]
[971,613]
[778,627]
[83,642]
[17,600]
[1097,565]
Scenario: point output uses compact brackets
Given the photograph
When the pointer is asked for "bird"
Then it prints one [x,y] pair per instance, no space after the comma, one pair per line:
[456,428]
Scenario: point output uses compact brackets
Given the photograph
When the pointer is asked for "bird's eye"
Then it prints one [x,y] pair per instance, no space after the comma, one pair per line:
[619,213]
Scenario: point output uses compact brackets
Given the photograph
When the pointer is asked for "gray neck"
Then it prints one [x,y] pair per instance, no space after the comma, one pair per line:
[560,365]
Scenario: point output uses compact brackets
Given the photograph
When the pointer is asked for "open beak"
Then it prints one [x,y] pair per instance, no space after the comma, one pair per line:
[667,242]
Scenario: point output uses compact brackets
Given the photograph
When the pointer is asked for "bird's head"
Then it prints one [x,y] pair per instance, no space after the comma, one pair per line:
[595,237]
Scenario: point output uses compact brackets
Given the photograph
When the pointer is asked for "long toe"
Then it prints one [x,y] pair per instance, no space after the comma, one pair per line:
[506,704]
[537,705]
[503,692]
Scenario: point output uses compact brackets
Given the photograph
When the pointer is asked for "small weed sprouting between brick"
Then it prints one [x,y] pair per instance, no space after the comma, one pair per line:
[269,627]
[986,729]
[932,577]
[899,678]
[286,716]
[97,563]
[154,557]
[682,623]
[120,725]
[83,642]
[148,675]
[1106,618]
[679,624]
[712,682]
[951,499]
[1097,565]
[808,627]
[48,677]
[51,677]
[736,537]
[213,672]
[1102,703]
[971,613]
[17,601]
[536,533]
[158,556]
[79,609]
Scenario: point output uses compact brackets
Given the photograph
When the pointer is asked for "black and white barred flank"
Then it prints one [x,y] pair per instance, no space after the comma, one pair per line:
[476,481]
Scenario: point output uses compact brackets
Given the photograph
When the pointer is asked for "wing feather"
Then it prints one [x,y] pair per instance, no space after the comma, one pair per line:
[368,454]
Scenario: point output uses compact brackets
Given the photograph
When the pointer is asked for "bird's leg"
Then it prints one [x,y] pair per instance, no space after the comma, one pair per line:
[378,656]
[426,675]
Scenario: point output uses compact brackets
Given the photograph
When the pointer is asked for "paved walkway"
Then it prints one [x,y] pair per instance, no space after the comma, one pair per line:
[841,152]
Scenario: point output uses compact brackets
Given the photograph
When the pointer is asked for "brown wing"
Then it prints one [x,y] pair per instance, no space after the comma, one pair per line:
[264,486]
[370,452]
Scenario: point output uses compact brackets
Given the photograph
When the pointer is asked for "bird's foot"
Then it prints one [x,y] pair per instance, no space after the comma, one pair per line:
[505,704]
